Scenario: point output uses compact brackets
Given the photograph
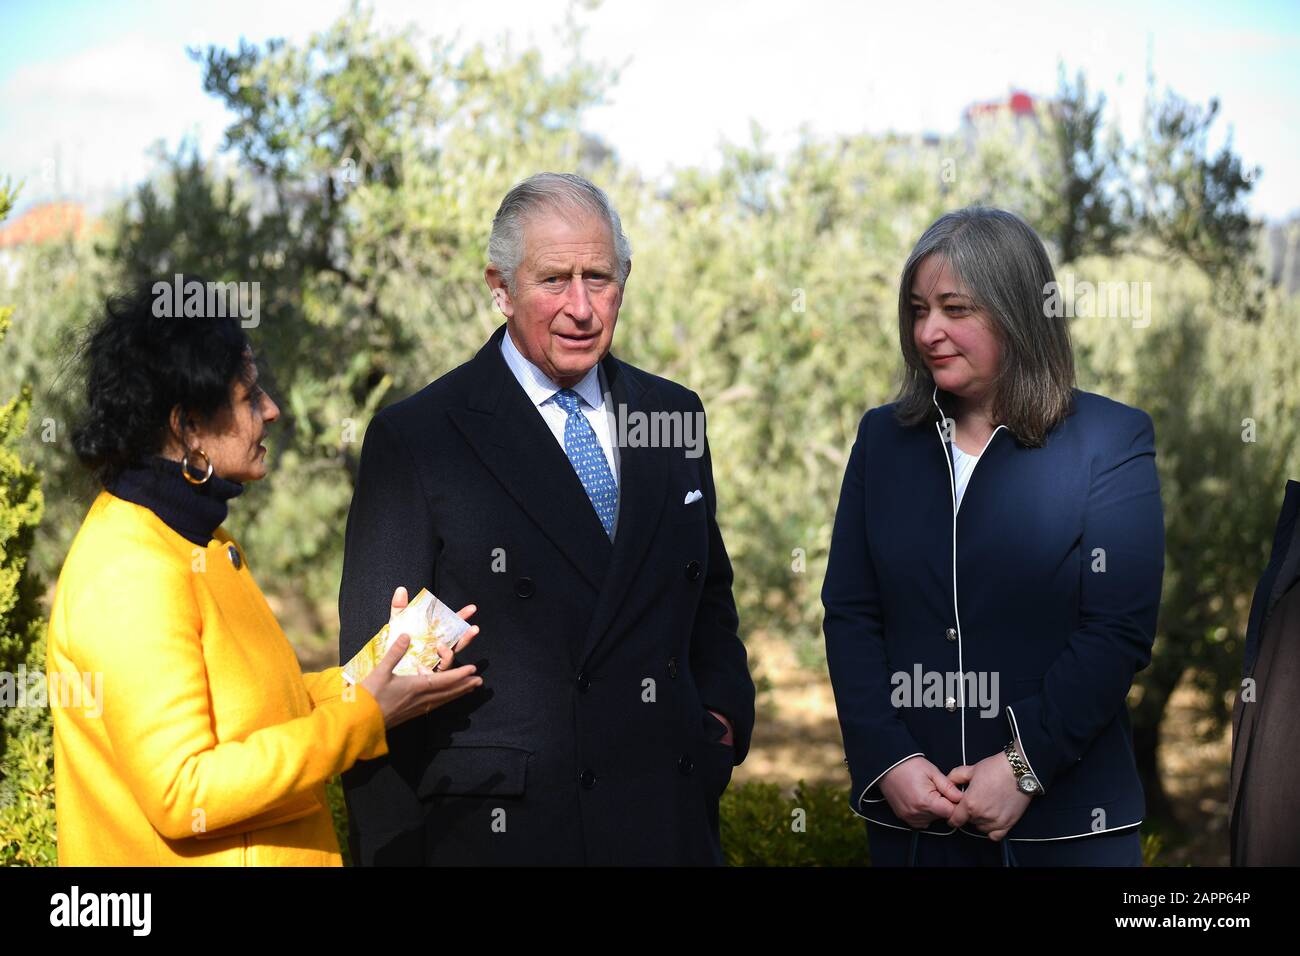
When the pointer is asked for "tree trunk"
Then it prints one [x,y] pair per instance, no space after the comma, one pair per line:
[1158,686]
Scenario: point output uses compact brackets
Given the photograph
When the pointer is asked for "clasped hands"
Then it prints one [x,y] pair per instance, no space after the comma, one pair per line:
[919,793]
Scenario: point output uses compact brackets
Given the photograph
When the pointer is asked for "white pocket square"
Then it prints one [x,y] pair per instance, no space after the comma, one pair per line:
[695,495]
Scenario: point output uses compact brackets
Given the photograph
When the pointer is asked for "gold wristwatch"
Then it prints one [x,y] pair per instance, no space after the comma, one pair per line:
[1025,778]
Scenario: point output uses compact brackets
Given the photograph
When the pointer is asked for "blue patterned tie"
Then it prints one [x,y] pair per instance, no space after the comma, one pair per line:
[588,459]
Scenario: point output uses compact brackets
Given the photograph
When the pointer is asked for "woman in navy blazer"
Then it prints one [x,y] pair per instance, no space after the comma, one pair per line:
[994,575]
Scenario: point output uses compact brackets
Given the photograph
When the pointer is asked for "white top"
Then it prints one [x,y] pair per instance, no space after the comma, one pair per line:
[962,466]
[541,390]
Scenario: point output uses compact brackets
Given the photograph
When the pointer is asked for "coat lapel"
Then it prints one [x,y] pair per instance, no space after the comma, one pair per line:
[643,489]
[512,440]
[508,435]
[988,461]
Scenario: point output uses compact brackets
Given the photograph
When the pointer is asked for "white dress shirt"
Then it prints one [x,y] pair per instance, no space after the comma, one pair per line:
[962,466]
[541,391]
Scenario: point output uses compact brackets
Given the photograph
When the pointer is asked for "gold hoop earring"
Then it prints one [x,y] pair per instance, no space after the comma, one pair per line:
[185,468]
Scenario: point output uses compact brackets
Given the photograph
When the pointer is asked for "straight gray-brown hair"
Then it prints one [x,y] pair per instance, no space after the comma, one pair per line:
[1005,270]
[562,192]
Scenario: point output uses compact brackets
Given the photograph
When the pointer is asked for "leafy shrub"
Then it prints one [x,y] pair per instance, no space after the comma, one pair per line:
[26,748]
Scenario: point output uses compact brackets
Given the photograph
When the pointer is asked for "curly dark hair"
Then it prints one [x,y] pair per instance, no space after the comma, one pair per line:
[138,366]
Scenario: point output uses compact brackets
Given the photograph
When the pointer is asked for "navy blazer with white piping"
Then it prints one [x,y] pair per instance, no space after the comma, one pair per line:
[1046,579]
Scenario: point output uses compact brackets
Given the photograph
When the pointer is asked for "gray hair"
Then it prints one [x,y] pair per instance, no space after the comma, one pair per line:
[555,191]
[1005,269]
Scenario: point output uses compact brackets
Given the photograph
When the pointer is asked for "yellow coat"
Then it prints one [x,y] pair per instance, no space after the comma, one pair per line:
[185,732]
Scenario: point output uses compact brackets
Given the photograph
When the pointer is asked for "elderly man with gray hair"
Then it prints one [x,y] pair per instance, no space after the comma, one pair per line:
[616,696]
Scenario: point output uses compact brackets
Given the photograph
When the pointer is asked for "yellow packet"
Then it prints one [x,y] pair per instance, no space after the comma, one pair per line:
[430,624]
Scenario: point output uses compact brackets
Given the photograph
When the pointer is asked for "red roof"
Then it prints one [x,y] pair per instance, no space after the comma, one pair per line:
[44,223]
[1018,103]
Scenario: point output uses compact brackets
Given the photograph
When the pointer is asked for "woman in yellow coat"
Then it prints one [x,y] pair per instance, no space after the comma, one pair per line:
[185,732]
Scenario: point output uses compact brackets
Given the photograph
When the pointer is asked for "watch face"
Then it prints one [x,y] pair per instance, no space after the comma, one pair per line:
[1028,785]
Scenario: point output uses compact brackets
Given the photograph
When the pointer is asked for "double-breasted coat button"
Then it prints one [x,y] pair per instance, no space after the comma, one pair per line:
[952,634]
[672,667]
[587,779]
[235,559]
[686,764]
[693,571]
[951,704]
[584,682]
[524,587]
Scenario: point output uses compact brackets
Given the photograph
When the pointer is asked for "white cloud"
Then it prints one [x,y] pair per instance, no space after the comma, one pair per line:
[89,118]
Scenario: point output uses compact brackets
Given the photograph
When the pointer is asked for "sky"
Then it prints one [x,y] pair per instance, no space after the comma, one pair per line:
[87,87]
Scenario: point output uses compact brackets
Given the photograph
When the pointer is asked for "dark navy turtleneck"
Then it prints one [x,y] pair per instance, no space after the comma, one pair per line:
[192,511]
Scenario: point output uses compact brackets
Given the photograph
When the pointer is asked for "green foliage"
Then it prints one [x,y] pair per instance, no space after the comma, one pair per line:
[339,813]
[1192,201]
[26,754]
[27,830]
[761,826]
[1221,390]
[1152,847]
[1086,216]
[57,289]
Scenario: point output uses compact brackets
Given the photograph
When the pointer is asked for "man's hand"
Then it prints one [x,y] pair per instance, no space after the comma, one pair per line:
[727,738]
[919,792]
[992,801]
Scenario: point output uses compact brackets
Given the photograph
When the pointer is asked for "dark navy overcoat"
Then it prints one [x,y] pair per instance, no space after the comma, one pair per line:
[591,740]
